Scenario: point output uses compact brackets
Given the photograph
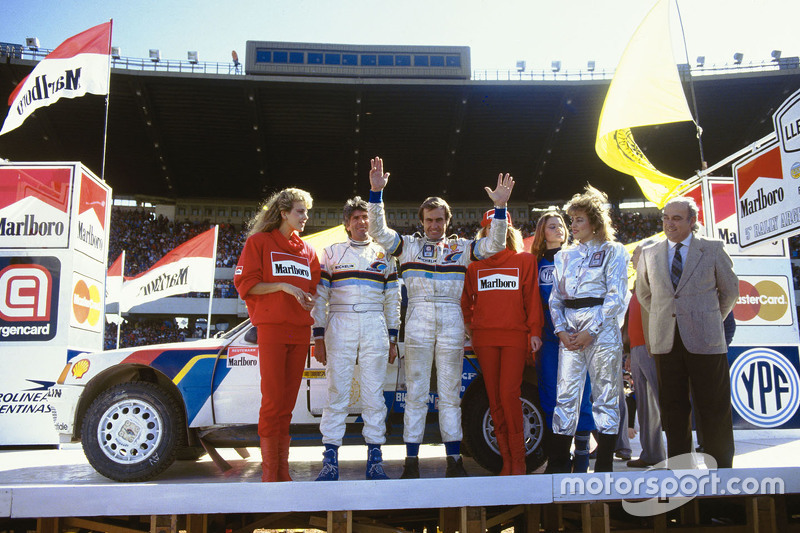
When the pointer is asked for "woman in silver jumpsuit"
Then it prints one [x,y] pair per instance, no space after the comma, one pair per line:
[590,286]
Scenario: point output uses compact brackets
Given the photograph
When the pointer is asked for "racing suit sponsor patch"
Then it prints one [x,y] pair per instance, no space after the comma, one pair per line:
[498,279]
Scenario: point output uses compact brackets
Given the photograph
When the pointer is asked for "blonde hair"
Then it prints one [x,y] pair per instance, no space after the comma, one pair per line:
[268,216]
[539,244]
[513,238]
[594,204]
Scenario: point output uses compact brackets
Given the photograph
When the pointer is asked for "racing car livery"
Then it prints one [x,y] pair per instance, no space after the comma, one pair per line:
[136,410]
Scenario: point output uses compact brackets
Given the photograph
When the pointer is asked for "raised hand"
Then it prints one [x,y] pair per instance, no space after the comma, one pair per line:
[377,178]
[501,193]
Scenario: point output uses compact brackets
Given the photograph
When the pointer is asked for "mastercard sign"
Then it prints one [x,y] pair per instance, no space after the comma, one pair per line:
[763,301]
[86,304]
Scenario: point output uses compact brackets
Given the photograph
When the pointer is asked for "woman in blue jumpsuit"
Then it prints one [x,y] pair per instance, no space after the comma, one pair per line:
[550,235]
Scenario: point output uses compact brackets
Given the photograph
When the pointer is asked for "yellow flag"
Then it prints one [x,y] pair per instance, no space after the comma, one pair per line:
[646,90]
[326,237]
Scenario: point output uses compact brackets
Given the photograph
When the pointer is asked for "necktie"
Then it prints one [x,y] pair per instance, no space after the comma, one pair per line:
[677,266]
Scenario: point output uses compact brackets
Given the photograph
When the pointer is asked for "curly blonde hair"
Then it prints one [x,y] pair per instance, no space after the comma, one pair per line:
[539,245]
[594,204]
[268,217]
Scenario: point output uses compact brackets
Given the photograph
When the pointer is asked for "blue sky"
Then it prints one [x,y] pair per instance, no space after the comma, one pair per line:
[499,32]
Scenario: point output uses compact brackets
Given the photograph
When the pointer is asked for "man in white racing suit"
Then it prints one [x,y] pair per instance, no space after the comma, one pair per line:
[433,267]
[356,320]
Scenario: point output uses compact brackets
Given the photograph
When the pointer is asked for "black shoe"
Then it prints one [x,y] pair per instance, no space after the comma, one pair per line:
[559,460]
[455,467]
[605,452]
[623,454]
[410,468]
[638,463]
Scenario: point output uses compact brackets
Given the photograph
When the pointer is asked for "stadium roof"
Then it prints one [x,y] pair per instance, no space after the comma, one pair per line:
[184,135]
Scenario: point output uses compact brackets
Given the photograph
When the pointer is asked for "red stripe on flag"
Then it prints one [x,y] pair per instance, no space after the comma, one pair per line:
[95,40]
[116,268]
[201,246]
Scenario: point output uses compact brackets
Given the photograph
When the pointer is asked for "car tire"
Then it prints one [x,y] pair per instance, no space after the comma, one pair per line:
[190,453]
[131,431]
[478,427]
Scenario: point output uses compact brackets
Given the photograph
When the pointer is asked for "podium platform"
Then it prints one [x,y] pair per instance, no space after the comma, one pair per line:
[57,490]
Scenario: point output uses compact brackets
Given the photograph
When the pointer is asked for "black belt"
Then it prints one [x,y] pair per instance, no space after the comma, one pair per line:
[580,303]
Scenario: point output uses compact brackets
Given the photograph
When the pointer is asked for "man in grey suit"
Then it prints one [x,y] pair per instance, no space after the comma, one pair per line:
[688,287]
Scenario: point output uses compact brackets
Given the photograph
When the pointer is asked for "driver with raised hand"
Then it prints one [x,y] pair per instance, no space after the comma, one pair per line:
[433,268]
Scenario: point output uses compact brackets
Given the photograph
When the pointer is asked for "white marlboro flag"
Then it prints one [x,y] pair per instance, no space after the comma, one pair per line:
[188,268]
[78,66]
[114,279]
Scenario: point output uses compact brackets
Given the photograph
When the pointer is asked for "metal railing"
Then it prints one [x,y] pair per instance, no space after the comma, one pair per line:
[231,68]
[136,63]
[603,74]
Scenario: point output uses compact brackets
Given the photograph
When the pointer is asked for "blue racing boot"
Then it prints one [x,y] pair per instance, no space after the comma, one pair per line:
[375,463]
[580,460]
[330,464]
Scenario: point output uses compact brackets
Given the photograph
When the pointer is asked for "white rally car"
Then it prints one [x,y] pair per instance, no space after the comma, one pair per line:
[138,409]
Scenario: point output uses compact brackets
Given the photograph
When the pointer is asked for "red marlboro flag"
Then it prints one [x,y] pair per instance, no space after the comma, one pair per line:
[187,268]
[78,66]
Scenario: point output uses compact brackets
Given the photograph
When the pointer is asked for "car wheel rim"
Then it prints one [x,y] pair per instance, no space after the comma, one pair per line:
[532,421]
[130,431]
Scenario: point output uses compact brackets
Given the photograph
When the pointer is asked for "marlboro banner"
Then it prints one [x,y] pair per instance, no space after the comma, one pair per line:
[78,66]
[188,268]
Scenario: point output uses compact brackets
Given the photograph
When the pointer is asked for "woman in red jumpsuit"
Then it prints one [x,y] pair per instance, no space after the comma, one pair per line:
[503,316]
[277,276]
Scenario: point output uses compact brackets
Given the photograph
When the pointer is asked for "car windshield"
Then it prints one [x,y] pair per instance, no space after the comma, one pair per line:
[236,330]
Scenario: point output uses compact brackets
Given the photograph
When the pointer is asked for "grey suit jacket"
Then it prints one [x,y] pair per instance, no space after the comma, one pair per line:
[707,292]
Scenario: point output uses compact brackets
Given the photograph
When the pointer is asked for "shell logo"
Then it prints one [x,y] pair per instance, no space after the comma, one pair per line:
[80,368]
[766,300]
[86,303]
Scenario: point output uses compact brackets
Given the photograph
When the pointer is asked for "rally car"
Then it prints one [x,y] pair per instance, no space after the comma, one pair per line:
[136,410]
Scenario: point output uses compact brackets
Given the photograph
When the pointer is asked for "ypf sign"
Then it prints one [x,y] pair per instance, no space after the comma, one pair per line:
[765,387]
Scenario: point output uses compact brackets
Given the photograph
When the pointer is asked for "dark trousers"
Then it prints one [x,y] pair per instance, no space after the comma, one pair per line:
[708,378]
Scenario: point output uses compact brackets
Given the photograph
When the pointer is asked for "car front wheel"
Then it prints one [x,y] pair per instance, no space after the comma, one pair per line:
[131,431]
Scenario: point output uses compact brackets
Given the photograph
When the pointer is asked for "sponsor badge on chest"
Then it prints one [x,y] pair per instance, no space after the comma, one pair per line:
[498,279]
[290,265]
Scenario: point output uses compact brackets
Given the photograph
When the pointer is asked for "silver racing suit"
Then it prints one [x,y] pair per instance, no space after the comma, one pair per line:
[597,270]
[357,310]
[433,273]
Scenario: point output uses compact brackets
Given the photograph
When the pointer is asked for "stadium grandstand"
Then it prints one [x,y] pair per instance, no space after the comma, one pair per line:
[194,144]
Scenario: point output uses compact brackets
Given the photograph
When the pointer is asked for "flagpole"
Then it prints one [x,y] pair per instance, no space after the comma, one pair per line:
[213,273]
[108,96]
[703,163]
[119,304]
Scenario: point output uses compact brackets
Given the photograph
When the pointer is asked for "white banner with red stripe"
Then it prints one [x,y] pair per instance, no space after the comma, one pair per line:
[188,268]
[77,66]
